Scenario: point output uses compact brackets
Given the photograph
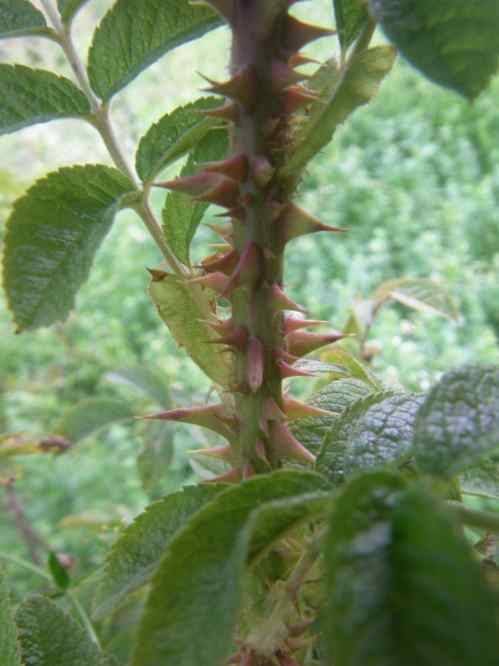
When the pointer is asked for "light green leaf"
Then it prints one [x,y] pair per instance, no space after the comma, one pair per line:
[181,215]
[90,415]
[69,8]
[156,455]
[354,86]
[351,17]
[458,424]
[30,96]
[417,293]
[173,136]
[453,43]
[354,368]
[403,585]
[335,397]
[19,18]
[183,308]
[135,556]
[50,637]
[197,591]
[135,33]
[9,646]
[52,236]
[341,435]
[150,381]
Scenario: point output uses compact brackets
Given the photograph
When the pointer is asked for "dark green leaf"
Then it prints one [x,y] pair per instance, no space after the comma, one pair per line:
[19,17]
[52,236]
[136,554]
[9,646]
[403,585]
[458,424]
[135,33]
[150,381]
[29,96]
[69,8]
[452,42]
[342,433]
[196,594]
[156,455]
[181,214]
[59,573]
[173,136]
[351,17]
[88,416]
[50,637]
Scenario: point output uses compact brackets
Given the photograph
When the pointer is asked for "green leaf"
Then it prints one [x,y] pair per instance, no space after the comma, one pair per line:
[196,593]
[183,307]
[59,573]
[135,556]
[458,424]
[156,455]
[88,416]
[50,637]
[351,17]
[135,33]
[19,18]
[453,43]
[181,214]
[9,646]
[417,293]
[341,96]
[30,96]
[335,397]
[339,438]
[173,136]
[52,236]
[150,381]
[69,8]
[403,585]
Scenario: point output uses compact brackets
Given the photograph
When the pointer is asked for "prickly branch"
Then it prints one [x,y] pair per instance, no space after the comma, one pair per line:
[261,98]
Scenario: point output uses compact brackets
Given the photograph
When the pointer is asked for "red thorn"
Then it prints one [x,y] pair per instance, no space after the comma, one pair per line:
[210,416]
[284,355]
[218,282]
[272,411]
[282,301]
[297,34]
[221,262]
[237,214]
[283,76]
[295,409]
[285,445]
[235,167]
[261,452]
[296,97]
[255,364]
[262,170]
[218,452]
[232,476]
[224,232]
[248,269]
[224,193]
[228,112]
[298,59]
[294,323]
[157,275]
[301,343]
[193,185]
[241,87]
[238,338]
[288,371]
[293,222]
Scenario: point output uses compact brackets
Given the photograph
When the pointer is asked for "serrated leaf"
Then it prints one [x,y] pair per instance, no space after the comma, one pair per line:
[135,33]
[417,293]
[50,637]
[356,85]
[30,96]
[19,18]
[90,415]
[339,438]
[403,585]
[135,556]
[52,236]
[181,214]
[174,135]
[452,43]
[458,424]
[156,455]
[354,368]
[69,8]
[335,397]
[183,308]
[351,17]
[196,594]
[150,381]
[9,646]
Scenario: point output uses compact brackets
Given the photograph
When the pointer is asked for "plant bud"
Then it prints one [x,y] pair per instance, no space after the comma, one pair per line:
[285,445]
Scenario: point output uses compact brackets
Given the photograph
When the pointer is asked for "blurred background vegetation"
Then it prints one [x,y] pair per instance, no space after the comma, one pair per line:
[416,179]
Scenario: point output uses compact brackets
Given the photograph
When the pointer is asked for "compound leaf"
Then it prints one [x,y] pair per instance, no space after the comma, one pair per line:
[19,18]
[30,96]
[135,33]
[453,43]
[52,236]
[9,646]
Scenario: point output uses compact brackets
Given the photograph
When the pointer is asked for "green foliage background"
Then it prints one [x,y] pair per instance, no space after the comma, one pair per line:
[416,179]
